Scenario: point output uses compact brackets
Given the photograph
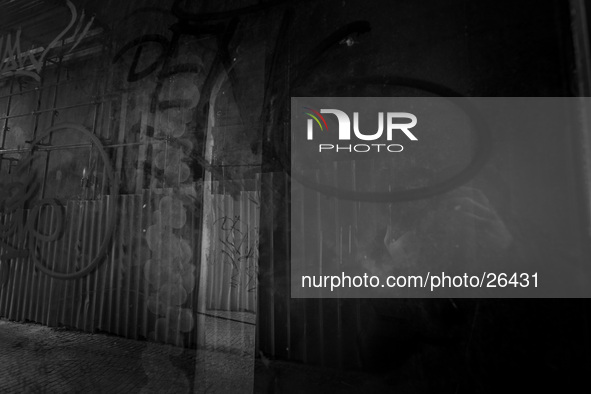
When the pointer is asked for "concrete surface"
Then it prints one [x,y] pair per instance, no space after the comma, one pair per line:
[39,359]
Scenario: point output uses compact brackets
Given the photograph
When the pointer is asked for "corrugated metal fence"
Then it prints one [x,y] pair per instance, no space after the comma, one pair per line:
[147,285]
[314,331]
[232,276]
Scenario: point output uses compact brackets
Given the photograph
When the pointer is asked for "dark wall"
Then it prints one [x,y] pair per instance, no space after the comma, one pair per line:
[488,49]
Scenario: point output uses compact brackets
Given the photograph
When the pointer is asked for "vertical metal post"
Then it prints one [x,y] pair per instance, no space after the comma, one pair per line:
[580,29]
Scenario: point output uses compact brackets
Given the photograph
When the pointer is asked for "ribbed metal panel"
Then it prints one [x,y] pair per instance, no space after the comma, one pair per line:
[118,297]
[39,20]
[232,276]
[314,331]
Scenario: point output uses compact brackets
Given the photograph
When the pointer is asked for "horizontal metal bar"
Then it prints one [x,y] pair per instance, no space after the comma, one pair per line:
[44,87]
[34,113]
[59,45]
[236,165]
[226,318]
[77,146]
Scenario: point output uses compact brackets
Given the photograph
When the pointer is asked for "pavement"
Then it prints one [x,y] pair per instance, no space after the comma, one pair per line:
[40,359]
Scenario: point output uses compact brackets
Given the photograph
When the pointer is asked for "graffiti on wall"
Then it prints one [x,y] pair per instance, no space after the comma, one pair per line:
[20,233]
[239,246]
[16,62]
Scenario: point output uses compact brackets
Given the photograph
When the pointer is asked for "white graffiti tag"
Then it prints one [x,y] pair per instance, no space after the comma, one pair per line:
[15,62]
